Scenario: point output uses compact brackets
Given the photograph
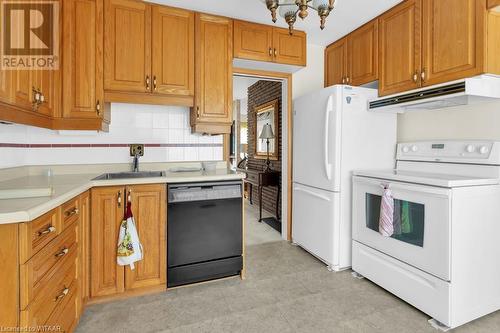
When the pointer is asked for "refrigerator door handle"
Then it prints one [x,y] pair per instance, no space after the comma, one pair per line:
[328,166]
[319,196]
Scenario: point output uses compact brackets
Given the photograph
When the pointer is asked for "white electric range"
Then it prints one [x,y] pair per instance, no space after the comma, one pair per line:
[444,256]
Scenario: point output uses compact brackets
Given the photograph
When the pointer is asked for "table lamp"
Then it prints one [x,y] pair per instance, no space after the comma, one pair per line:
[266,134]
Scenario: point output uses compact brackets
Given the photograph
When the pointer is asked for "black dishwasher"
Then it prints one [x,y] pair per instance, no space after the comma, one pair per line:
[204,232]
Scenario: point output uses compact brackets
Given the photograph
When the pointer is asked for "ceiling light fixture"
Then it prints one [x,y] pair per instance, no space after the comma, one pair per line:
[289,9]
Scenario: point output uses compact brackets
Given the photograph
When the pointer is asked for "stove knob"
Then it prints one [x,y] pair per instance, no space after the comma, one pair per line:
[414,148]
[484,150]
[470,148]
[405,149]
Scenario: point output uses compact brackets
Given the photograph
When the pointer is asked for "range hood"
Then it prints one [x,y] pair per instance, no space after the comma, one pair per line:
[479,89]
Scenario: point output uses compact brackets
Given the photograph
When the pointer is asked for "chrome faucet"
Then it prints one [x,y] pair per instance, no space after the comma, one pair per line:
[135,165]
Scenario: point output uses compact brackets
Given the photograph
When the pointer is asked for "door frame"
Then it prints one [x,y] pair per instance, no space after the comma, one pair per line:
[287,79]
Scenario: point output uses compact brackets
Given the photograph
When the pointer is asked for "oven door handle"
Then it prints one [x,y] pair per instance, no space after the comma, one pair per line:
[328,166]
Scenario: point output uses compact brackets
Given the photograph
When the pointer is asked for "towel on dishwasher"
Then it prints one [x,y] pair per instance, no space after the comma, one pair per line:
[386,221]
[129,247]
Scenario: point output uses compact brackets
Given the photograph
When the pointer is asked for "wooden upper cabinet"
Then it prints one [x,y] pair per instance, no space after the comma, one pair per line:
[253,41]
[453,39]
[127,45]
[260,42]
[148,208]
[173,51]
[362,55]
[336,63]
[212,112]
[400,48]
[83,89]
[107,277]
[289,49]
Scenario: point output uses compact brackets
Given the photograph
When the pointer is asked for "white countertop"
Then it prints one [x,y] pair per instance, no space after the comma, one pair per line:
[67,186]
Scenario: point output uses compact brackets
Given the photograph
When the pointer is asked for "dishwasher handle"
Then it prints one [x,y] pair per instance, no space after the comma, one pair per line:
[204,192]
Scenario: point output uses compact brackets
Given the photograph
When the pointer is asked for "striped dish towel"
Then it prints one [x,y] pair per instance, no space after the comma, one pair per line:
[386,222]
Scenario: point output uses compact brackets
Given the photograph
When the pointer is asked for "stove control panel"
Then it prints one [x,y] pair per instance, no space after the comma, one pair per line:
[485,152]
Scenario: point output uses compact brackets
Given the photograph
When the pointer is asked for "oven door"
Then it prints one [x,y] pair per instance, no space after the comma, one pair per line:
[422,230]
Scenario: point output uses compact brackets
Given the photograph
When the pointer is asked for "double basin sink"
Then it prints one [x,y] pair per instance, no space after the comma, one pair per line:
[129,175]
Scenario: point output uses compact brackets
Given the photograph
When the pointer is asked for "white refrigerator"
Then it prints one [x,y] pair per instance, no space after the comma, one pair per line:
[334,134]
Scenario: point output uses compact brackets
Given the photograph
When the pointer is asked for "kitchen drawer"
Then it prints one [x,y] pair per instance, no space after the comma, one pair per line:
[30,291]
[64,317]
[70,212]
[35,235]
[41,263]
[56,292]
[252,178]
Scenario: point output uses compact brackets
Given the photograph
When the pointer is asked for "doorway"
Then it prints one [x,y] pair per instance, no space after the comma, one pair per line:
[261,147]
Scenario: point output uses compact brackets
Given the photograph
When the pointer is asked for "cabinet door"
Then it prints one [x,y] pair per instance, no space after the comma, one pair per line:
[127,41]
[289,49]
[49,84]
[83,90]
[400,48]
[362,55]
[84,247]
[148,208]
[173,51]
[253,41]
[107,277]
[336,63]
[453,39]
[24,82]
[214,74]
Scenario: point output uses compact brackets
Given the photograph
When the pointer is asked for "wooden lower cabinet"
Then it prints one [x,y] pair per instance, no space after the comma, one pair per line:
[149,209]
[41,270]
[108,279]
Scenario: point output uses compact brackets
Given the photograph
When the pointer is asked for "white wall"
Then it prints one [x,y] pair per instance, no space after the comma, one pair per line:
[480,121]
[312,77]
[164,128]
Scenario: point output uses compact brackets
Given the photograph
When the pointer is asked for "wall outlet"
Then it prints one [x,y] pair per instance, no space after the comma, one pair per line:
[137,149]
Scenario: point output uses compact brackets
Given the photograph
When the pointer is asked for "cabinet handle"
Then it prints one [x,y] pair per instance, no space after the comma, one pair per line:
[198,112]
[129,196]
[343,80]
[347,80]
[148,82]
[154,83]
[47,231]
[62,253]
[119,198]
[422,75]
[42,98]
[62,294]
[72,212]
[415,77]
[275,53]
[270,51]
[36,98]
[98,107]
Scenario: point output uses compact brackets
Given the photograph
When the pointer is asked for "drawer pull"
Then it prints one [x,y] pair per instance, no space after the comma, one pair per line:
[62,294]
[62,253]
[72,212]
[47,231]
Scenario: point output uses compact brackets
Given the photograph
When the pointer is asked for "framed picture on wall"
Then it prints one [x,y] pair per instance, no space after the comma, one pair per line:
[266,114]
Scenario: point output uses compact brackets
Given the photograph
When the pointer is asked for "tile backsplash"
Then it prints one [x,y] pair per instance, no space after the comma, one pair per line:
[164,130]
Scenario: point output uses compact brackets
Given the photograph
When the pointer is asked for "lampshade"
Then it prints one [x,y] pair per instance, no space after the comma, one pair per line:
[267,132]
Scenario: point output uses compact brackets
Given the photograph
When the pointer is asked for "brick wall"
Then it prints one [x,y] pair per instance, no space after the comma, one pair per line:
[258,94]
